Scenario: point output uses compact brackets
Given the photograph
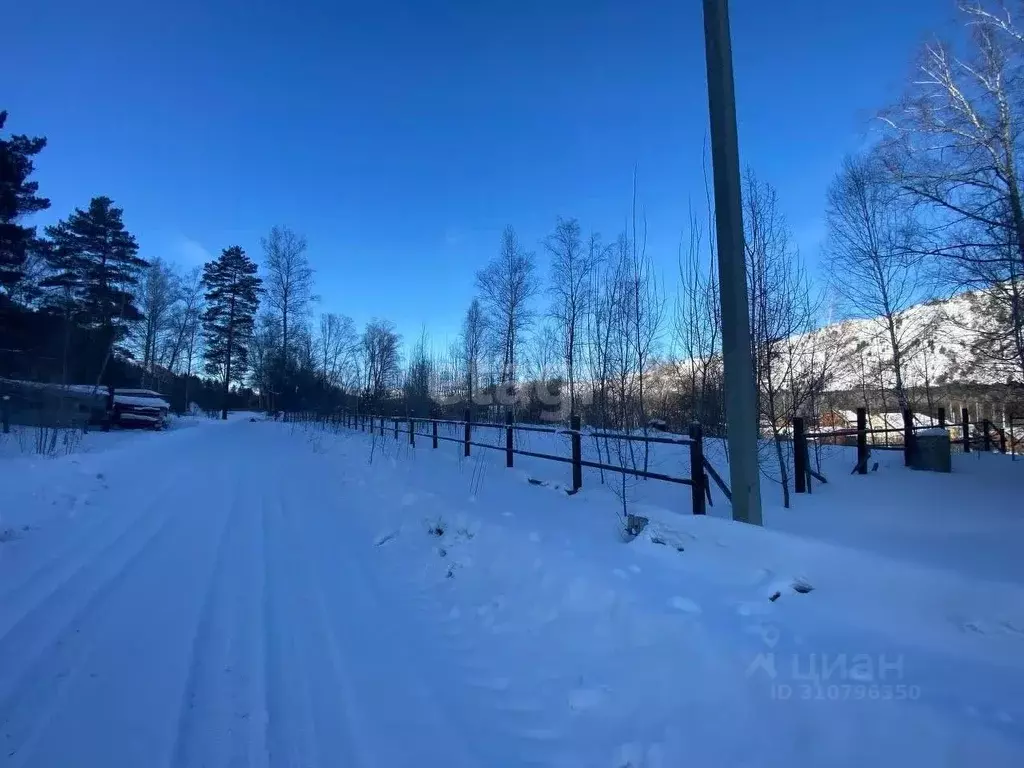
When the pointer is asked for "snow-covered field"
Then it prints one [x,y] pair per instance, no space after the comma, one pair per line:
[273,594]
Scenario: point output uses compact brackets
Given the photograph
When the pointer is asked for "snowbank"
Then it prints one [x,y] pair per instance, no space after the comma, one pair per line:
[355,599]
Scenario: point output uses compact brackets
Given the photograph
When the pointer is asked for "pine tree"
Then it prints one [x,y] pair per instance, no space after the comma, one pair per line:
[95,264]
[17,198]
[232,298]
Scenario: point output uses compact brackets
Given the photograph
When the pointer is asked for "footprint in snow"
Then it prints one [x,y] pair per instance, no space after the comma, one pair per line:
[685,604]
[752,609]
[493,684]
[586,698]
[1011,628]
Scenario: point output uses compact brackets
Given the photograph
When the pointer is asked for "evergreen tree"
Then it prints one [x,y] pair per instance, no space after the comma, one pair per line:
[95,266]
[232,298]
[17,198]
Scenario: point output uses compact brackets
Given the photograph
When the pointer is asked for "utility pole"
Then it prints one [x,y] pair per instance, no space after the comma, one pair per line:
[740,391]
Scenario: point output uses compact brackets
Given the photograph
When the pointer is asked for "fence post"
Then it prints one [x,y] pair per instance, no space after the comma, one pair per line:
[862,441]
[466,436]
[697,492]
[412,431]
[5,413]
[908,435]
[986,437]
[434,432]
[508,438]
[577,453]
[799,456]
[965,425]
[942,417]
[395,420]
[1002,439]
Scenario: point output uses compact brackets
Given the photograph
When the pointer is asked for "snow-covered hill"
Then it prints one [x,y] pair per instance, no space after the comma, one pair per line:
[940,338]
[943,343]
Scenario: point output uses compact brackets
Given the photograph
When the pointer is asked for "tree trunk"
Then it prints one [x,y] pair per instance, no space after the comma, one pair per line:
[227,362]
[897,363]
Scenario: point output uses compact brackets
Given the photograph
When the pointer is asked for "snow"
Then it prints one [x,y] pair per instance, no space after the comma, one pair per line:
[149,402]
[272,594]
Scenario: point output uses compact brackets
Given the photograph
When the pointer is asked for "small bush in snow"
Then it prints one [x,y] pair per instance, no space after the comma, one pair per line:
[49,440]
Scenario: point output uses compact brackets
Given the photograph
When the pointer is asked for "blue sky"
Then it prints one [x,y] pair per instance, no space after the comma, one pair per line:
[401,138]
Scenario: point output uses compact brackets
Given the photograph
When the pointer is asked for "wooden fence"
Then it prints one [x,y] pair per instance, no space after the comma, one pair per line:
[983,435]
[700,470]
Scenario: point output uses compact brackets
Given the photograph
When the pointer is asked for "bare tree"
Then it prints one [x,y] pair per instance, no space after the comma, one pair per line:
[643,309]
[782,313]
[304,349]
[381,359]
[602,319]
[265,349]
[185,319]
[572,267]
[289,279]
[471,347]
[336,348]
[507,284]
[157,293]
[873,254]
[953,146]
[698,325]
[419,378]
[545,370]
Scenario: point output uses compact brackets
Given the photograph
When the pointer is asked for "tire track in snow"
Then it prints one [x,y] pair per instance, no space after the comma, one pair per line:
[215,716]
[92,529]
[68,570]
[25,688]
[518,712]
[290,735]
[380,674]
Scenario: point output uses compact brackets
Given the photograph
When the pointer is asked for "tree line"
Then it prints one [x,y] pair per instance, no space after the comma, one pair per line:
[80,305]
[932,208]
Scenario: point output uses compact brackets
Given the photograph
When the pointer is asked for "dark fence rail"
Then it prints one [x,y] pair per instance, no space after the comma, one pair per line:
[983,435]
[700,470]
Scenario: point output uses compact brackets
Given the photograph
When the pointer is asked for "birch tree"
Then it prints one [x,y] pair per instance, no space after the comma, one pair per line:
[782,312]
[507,285]
[289,279]
[336,344]
[157,293]
[698,324]
[875,259]
[953,146]
[572,265]
[472,339]
[381,359]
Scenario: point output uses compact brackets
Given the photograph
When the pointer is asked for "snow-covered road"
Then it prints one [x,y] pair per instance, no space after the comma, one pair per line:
[209,612]
[261,594]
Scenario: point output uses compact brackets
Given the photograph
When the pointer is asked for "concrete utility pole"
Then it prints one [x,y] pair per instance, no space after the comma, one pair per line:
[740,391]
